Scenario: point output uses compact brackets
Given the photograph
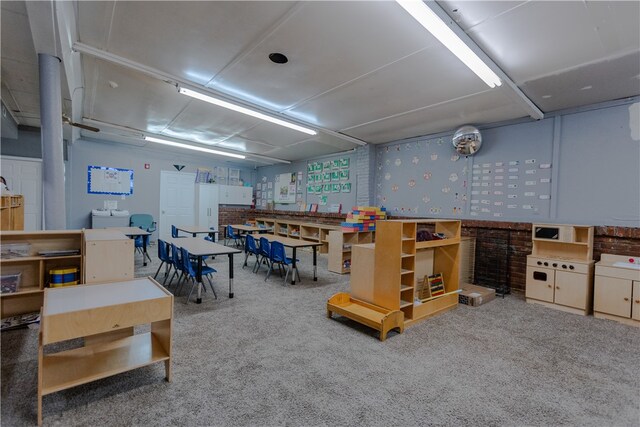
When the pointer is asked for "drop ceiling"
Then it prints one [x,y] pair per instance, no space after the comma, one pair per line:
[359,69]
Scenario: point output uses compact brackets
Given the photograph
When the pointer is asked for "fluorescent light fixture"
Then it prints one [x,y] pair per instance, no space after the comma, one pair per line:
[243,110]
[192,147]
[440,30]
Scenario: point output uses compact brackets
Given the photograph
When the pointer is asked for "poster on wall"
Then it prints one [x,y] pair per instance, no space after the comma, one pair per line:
[285,191]
[106,180]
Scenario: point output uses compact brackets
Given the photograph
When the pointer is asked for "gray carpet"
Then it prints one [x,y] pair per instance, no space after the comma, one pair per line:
[270,356]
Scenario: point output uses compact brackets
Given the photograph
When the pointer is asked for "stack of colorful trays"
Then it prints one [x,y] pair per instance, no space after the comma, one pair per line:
[363,218]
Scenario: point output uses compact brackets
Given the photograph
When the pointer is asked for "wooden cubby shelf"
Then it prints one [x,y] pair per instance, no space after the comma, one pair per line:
[386,273]
[300,230]
[341,248]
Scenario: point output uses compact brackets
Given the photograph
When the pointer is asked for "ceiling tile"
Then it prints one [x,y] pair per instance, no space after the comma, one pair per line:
[602,81]
[302,151]
[274,134]
[139,101]
[21,76]
[17,42]
[542,38]
[488,107]
[429,77]
[241,144]
[192,40]
[328,44]
[468,14]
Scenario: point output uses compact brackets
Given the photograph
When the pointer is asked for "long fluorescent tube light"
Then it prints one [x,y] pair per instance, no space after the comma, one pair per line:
[243,110]
[192,147]
[440,30]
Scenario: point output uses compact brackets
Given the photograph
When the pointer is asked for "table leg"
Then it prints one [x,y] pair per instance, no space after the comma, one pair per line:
[199,280]
[315,264]
[230,275]
[144,249]
[293,267]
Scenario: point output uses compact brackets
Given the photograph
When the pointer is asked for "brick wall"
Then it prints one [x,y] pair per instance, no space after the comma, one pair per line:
[611,240]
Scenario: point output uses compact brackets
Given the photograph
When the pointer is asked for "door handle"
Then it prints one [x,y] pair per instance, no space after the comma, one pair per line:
[557,287]
[550,286]
[626,299]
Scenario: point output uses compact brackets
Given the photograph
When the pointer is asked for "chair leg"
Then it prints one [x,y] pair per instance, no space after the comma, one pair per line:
[191,291]
[286,276]
[246,257]
[156,275]
[270,264]
[213,290]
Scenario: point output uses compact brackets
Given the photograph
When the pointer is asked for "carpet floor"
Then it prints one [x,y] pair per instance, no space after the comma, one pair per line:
[270,356]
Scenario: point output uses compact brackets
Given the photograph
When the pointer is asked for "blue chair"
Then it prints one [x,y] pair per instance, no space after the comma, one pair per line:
[164,257]
[250,248]
[190,271]
[144,221]
[174,232]
[139,244]
[279,256]
[176,262]
[264,253]
[231,235]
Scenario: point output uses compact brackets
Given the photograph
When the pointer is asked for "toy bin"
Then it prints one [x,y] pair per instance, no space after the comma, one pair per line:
[10,283]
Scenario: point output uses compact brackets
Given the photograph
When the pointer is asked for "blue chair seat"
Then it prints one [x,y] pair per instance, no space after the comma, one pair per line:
[279,256]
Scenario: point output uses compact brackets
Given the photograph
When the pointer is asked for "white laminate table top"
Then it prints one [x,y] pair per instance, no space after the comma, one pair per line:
[130,231]
[287,241]
[195,229]
[85,297]
[198,246]
[248,228]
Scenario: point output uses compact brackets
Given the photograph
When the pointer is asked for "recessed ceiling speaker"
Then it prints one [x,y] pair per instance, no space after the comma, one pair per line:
[278,58]
[467,140]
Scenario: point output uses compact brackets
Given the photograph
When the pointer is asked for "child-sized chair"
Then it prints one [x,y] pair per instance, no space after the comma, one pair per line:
[279,256]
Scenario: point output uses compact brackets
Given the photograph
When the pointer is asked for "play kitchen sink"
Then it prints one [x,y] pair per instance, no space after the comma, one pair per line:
[617,289]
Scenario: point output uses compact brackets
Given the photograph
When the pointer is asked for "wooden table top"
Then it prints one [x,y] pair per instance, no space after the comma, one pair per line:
[200,247]
[287,241]
[191,229]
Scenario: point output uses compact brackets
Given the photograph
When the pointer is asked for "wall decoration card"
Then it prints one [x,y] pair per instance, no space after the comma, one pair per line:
[222,175]
[285,188]
[513,180]
[422,177]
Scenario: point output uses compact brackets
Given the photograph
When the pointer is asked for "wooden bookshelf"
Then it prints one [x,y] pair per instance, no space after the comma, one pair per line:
[340,248]
[315,232]
[34,268]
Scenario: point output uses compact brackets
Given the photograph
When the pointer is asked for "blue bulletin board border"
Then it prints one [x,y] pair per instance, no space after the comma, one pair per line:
[104,168]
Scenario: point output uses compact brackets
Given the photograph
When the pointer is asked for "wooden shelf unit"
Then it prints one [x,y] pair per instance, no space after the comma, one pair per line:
[12,212]
[35,268]
[617,289]
[573,242]
[315,232]
[102,311]
[385,274]
[340,248]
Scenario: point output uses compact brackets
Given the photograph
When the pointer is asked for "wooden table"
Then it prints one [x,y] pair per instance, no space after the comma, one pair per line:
[132,233]
[201,248]
[194,230]
[295,244]
[106,313]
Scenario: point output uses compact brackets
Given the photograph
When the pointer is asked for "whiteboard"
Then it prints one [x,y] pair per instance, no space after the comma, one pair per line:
[106,180]
[285,191]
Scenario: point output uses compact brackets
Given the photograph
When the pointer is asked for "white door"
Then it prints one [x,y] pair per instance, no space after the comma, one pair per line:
[24,176]
[177,201]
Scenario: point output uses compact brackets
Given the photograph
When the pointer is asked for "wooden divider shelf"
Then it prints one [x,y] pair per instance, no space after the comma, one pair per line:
[300,230]
[389,270]
[340,248]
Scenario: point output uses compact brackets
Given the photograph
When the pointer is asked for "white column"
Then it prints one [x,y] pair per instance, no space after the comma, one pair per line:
[53,192]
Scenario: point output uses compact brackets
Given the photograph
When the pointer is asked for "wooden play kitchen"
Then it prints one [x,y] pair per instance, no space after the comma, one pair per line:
[12,213]
[104,315]
[387,276]
[560,268]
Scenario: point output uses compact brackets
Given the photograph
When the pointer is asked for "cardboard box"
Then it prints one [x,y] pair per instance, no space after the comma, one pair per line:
[475,295]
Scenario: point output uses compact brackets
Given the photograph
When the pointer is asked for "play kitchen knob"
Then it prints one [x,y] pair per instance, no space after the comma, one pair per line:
[539,262]
[564,265]
[546,264]
[555,264]
[571,267]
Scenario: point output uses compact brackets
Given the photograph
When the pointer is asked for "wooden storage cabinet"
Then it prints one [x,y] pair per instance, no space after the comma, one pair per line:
[206,209]
[34,268]
[617,290]
[108,256]
[340,248]
[12,213]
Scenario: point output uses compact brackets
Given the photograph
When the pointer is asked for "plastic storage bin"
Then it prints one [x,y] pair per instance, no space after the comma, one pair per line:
[13,250]
[9,283]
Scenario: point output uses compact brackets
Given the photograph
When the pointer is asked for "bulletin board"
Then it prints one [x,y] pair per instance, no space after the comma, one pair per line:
[285,188]
[106,180]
